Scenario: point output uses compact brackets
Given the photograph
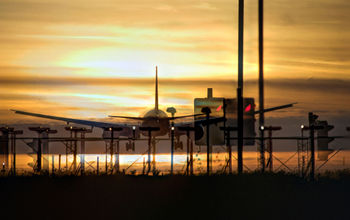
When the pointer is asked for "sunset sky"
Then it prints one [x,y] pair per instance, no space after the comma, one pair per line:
[88,59]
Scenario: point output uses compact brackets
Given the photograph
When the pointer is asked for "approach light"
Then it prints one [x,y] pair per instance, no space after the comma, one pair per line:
[302,126]
[134,128]
[172,128]
[110,129]
[262,128]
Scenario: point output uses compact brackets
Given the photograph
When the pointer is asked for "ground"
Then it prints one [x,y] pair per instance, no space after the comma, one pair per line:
[247,196]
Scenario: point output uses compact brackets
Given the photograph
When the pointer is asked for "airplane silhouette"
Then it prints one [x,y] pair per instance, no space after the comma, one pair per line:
[153,118]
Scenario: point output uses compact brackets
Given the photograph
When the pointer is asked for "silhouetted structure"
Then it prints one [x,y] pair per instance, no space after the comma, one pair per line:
[323,140]
[228,144]
[269,163]
[8,136]
[73,147]
[261,84]
[150,137]
[240,86]
[189,147]
[42,132]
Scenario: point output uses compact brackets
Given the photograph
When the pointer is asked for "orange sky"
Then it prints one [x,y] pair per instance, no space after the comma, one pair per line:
[93,58]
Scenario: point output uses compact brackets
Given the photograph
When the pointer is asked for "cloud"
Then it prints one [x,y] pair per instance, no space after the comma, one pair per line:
[49,49]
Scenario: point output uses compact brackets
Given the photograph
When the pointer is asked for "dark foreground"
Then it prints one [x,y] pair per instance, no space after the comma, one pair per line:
[249,196]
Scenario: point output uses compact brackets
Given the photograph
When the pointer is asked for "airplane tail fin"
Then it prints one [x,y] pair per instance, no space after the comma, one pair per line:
[156,95]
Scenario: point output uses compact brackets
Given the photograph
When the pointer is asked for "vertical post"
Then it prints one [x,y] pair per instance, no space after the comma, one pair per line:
[229,151]
[270,151]
[14,153]
[149,150]
[59,163]
[240,83]
[117,163]
[312,145]
[4,148]
[191,158]
[154,154]
[303,149]
[261,84]
[98,165]
[70,144]
[75,152]
[82,152]
[133,137]
[39,154]
[240,131]
[240,42]
[172,149]
[209,150]
[53,164]
[106,163]
[187,152]
[111,148]
[143,165]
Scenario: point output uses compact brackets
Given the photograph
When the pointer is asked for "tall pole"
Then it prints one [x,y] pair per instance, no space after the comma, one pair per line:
[240,85]
[240,42]
[261,84]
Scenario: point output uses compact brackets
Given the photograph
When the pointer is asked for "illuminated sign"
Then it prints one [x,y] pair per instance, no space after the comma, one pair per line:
[217,111]
[217,107]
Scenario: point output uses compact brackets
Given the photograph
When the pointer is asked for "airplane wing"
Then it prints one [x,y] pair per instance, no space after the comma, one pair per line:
[127,117]
[143,118]
[72,120]
[276,108]
[202,121]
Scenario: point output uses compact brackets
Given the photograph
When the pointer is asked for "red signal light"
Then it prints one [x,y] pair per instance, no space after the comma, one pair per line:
[248,108]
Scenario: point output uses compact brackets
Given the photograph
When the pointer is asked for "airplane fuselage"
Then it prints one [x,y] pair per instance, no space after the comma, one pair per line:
[156,118]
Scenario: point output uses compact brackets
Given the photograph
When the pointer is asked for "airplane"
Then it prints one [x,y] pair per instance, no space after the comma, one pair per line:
[153,118]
